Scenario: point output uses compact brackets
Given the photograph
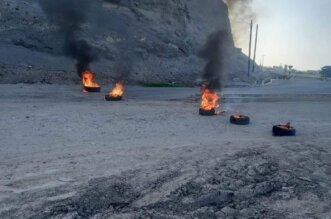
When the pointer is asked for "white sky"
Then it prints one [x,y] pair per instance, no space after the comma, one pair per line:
[293,32]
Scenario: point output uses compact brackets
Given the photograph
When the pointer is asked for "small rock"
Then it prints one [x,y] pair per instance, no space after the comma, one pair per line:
[247,213]
[207,213]
[305,179]
[220,214]
[219,199]
[229,211]
[59,209]
[265,188]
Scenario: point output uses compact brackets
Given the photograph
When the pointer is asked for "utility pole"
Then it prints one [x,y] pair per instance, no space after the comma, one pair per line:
[256,35]
[250,49]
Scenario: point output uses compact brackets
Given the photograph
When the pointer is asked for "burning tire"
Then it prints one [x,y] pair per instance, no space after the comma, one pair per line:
[111,98]
[203,112]
[209,99]
[117,92]
[88,82]
[92,89]
[239,119]
[283,130]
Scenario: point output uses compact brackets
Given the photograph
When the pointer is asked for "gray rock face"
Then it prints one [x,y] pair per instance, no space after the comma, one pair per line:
[141,40]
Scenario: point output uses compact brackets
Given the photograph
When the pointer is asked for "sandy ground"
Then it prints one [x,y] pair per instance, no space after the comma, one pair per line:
[65,154]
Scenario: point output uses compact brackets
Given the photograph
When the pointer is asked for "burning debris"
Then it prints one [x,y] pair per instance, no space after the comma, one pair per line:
[213,53]
[209,102]
[117,93]
[284,130]
[88,82]
[239,119]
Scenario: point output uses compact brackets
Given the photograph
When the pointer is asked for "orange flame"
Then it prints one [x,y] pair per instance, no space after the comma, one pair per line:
[88,79]
[118,90]
[237,116]
[286,126]
[209,98]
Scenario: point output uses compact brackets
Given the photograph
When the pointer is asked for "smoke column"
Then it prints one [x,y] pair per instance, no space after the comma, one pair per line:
[69,16]
[240,13]
[213,52]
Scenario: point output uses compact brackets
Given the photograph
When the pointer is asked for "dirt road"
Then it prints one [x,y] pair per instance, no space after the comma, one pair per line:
[65,154]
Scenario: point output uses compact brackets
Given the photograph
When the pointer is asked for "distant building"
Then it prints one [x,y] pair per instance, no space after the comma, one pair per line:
[326,71]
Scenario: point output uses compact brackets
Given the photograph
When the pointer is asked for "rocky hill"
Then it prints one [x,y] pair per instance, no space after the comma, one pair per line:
[141,40]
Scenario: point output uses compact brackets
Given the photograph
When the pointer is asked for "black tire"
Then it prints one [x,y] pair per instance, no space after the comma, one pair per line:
[110,98]
[243,120]
[92,89]
[277,130]
[207,112]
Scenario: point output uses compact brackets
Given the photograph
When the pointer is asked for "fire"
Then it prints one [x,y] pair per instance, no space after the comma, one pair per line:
[87,79]
[209,98]
[118,90]
[237,116]
[287,126]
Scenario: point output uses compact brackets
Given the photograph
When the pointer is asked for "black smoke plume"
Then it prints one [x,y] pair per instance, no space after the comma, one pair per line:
[69,16]
[213,52]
